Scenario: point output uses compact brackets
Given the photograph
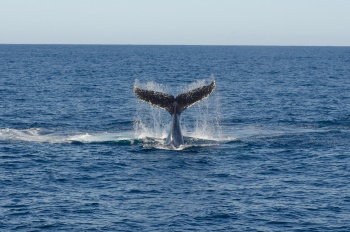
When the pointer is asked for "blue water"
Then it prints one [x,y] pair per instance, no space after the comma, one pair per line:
[268,151]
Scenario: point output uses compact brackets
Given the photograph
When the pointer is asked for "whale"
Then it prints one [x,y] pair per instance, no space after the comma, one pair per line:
[175,106]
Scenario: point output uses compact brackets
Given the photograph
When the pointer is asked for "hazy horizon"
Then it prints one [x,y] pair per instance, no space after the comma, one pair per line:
[209,45]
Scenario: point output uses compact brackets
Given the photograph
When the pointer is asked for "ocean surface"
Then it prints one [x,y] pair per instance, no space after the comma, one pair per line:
[269,150]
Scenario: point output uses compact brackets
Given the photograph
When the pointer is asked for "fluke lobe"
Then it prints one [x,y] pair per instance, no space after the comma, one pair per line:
[175,106]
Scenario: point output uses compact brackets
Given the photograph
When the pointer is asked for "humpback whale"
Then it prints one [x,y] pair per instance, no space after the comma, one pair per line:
[175,106]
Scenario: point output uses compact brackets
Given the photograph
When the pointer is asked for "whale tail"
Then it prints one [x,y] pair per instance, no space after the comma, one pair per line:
[175,105]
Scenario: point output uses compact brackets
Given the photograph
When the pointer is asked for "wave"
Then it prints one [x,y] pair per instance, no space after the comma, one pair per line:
[45,136]
[151,140]
[104,138]
[128,138]
[29,135]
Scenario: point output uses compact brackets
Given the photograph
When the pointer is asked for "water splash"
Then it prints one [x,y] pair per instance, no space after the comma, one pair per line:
[205,116]
[150,121]
[201,121]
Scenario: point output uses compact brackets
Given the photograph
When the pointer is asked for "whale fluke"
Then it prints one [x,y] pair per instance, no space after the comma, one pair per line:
[175,106]
[183,101]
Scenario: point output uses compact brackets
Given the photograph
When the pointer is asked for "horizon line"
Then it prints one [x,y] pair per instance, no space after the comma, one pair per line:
[208,45]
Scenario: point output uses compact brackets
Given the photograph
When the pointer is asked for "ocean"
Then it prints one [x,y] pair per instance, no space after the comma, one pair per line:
[269,150]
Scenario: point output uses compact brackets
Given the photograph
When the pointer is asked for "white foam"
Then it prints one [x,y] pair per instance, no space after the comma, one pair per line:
[39,135]
[29,135]
[101,137]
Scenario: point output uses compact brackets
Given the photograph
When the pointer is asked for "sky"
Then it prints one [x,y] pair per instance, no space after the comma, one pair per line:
[176,22]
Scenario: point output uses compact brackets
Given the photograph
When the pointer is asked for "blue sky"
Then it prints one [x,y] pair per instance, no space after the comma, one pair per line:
[200,22]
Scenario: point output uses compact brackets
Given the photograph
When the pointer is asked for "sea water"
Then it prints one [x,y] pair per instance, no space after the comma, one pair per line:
[267,151]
